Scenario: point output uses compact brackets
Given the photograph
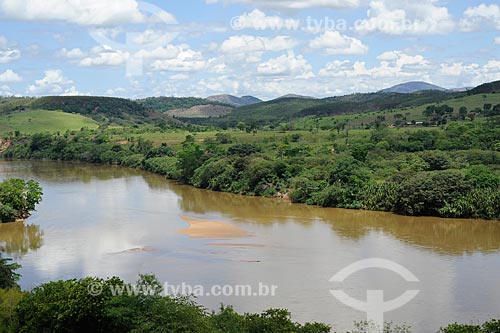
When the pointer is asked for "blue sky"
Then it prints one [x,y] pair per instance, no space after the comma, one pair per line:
[319,48]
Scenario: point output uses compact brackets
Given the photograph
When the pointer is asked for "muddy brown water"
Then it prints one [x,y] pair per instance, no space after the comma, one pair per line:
[110,221]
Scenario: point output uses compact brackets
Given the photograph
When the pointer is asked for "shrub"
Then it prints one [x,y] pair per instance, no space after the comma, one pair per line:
[427,192]
[133,161]
[166,166]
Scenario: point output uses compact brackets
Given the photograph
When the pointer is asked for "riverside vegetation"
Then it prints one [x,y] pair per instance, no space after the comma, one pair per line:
[451,171]
[18,199]
[67,306]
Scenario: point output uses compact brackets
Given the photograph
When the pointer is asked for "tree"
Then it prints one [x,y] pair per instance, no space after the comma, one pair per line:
[241,126]
[189,160]
[8,275]
[18,198]
[462,112]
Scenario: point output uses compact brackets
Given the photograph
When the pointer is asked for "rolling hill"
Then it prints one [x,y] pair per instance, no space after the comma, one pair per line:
[38,121]
[234,101]
[487,88]
[104,110]
[411,87]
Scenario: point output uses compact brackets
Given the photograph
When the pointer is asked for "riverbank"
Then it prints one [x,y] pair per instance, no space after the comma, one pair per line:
[460,184]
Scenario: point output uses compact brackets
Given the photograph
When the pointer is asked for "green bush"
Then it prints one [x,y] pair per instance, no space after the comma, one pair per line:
[7,213]
[481,203]
[428,192]
[492,326]
[133,161]
[166,166]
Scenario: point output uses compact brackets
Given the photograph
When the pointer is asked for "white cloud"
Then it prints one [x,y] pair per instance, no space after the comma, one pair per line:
[286,65]
[474,18]
[7,54]
[295,4]
[334,43]
[105,57]
[406,17]
[179,77]
[72,91]
[248,44]
[258,20]
[10,76]
[186,61]
[116,92]
[5,90]
[457,69]
[167,52]
[153,37]
[217,65]
[75,53]
[53,82]
[393,64]
[89,12]
[497,41]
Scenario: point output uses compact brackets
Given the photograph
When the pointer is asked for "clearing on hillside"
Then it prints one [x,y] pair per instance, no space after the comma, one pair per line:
[38,121]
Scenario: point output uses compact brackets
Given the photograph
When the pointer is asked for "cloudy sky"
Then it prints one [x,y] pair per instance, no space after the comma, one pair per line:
[320,48]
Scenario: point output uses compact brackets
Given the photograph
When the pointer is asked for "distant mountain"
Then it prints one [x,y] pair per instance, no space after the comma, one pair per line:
[295,96]
[234,101]
[411,87]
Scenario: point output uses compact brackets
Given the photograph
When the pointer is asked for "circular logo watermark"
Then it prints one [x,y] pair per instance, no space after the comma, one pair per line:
[375,305]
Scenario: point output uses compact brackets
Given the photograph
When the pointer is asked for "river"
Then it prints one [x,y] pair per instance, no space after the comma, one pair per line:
[110,221]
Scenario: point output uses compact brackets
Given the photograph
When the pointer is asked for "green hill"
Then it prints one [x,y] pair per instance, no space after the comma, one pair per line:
[487,88]
[104,110]
[164,104]
[38,121]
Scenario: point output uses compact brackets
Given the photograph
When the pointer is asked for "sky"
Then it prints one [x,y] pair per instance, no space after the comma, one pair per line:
[319,48]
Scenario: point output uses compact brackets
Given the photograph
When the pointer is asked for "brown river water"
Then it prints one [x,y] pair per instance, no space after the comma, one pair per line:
[109,221]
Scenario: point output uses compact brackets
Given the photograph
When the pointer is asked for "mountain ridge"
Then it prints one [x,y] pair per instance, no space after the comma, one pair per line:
[233,100]
[412,87]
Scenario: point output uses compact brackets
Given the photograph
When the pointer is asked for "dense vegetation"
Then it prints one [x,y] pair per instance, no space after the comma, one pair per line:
[18,198]
[164,104]
[450,172]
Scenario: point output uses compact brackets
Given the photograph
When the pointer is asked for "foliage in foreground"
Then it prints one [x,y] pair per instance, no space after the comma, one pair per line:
[67,306]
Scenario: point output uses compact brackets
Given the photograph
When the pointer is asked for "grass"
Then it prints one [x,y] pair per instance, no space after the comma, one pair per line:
[39,121]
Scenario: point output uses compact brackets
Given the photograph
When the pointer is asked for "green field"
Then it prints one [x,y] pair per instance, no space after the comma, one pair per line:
[39,121]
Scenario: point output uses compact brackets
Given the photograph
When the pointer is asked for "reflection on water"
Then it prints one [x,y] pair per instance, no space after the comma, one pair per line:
[447,236]
[111,221]
[17,238]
